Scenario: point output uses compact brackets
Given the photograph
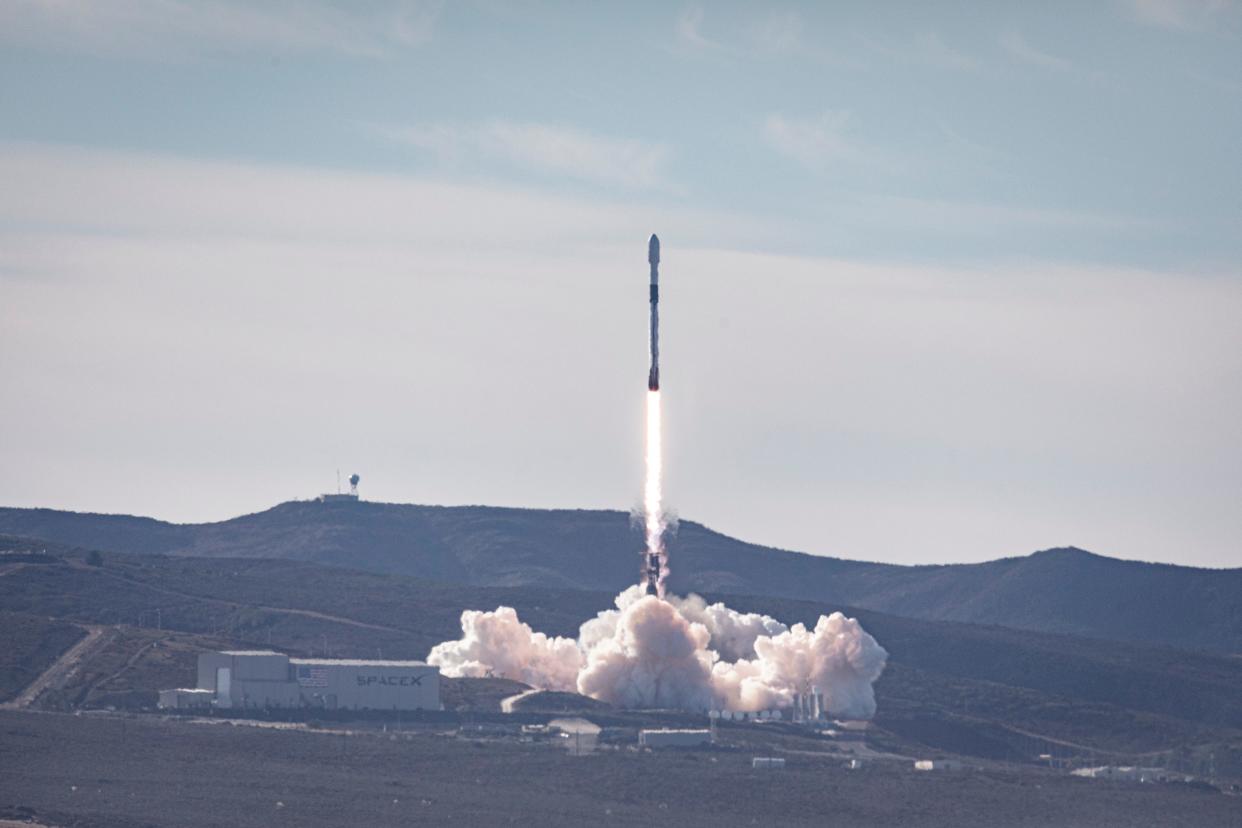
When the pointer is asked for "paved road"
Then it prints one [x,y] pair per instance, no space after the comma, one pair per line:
[506,704]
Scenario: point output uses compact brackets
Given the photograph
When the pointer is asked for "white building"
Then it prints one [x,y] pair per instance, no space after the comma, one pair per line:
[186,697]
[249,679]
[1127,773]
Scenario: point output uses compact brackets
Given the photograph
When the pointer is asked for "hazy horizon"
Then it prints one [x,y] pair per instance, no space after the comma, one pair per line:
[939,284]
[637,531]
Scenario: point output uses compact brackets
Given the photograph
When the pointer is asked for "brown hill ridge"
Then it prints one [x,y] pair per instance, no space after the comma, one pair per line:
[1058,590]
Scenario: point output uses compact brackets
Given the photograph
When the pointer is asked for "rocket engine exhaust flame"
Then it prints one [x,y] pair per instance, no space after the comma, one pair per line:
[655,567]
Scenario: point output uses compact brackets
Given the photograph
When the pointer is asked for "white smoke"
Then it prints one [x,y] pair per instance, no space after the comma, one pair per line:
[677,653]
[498,644]
[733,633]
[647,655]
[838,657]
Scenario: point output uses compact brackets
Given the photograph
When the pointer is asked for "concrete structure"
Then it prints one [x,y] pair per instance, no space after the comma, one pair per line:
[674,738]
[937,765]
[249,679]
[808,707]
[742,716]
[339,497]
[185,698]
[768,763]
[578,736]
[1127,773]
[343,497]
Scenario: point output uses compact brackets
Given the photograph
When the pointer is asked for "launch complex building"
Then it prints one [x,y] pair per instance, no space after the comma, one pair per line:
[259,679]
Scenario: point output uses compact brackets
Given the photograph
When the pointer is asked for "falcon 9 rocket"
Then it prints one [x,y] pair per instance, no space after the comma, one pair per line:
[653,257]
[655,568]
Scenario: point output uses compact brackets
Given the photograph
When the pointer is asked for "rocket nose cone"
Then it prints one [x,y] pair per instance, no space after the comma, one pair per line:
[653,249]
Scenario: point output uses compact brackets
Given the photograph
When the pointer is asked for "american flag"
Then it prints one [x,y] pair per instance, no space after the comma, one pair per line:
[312,676]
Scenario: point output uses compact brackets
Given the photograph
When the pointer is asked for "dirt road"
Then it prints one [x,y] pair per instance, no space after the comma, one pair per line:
[60,671]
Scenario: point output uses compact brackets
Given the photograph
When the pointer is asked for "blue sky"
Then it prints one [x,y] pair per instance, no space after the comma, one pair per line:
[944,281]
[1111,124]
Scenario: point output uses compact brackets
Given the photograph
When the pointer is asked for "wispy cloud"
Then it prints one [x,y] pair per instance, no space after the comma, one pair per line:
[54,189]
[781,33]
[766,34]
[976,217]
[816,143]
[1177,14]
[1018,48]
[690,29]
[174,28]
[546,148]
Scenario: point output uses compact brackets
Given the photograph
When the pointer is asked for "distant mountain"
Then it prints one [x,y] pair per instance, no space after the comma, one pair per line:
[1057,590]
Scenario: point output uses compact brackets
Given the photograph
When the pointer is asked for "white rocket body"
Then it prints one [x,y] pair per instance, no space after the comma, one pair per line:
[653,257]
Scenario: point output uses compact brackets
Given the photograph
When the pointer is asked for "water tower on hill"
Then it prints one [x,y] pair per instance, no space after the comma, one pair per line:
[343,497]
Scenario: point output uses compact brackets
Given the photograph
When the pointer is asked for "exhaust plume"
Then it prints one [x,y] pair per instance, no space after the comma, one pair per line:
[677,653]
[654,523]
[498,644]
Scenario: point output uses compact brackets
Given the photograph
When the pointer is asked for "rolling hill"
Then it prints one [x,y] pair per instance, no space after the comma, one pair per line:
[1059,590]
[966,688]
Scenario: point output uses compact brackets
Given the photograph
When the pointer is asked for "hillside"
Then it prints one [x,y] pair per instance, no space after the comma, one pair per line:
[31,644]
[1060,590]
[957,687]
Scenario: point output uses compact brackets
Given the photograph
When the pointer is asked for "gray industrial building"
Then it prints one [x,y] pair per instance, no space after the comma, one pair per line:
[674,738]
[265,679]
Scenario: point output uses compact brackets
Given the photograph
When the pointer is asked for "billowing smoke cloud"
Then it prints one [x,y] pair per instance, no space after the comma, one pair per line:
[498,644]
[647,655]
[838,657]
[677,653]
[733,633]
